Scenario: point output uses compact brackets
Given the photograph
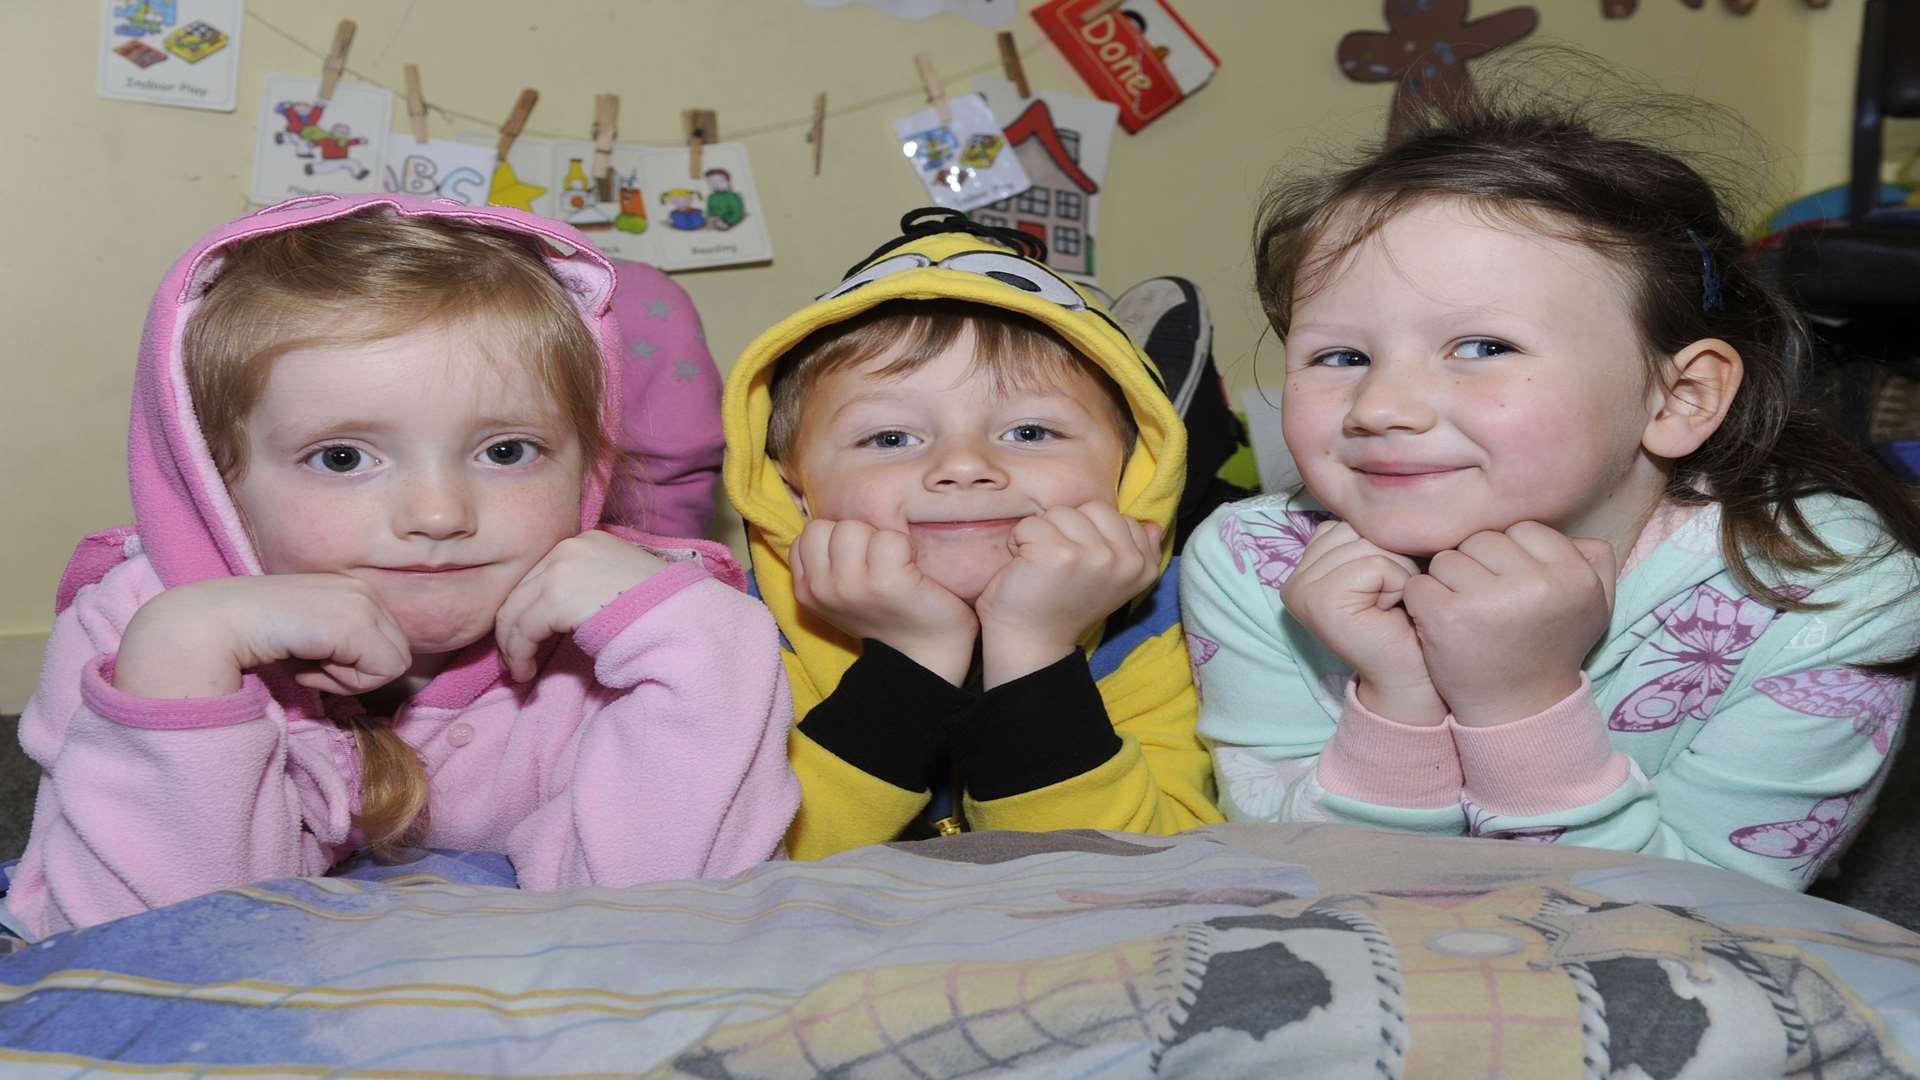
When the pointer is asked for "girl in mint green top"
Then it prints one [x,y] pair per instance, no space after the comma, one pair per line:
[1572,563]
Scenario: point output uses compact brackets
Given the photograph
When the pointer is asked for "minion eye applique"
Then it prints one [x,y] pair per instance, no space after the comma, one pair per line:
[1003,267]
[1020,273]
[884,268]
[1018,263]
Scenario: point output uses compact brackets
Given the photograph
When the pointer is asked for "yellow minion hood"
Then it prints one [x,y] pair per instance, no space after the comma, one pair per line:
[942,256]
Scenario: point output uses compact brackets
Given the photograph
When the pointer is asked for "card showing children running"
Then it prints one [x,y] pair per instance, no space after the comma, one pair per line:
[171,52]
[306,146]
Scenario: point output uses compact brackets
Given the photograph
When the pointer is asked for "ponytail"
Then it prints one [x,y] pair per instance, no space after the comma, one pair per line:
[393,787]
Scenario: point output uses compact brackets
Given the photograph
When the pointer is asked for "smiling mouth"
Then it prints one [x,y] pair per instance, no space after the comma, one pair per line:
[964,526]
[430,570]
[1405,475]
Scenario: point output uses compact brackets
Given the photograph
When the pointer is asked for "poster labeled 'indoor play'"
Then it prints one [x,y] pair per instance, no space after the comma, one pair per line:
[171,52]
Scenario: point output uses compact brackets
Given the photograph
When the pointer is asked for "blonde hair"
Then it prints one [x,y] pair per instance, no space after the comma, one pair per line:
[1015,351]
[367,278]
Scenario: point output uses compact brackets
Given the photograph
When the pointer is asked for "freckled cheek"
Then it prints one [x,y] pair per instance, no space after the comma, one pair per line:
[547,513]
[295,532]
[1310,424]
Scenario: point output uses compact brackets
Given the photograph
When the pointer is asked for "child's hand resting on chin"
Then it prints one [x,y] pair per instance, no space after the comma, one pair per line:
[1506,619]
[1072,566]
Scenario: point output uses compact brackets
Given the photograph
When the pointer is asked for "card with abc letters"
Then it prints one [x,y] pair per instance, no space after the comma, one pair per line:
[439,168]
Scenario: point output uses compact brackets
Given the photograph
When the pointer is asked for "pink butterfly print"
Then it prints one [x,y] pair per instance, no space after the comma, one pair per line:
[1200,648]
[1272,545]
[1872,702]
[1712,631]
[1813,836]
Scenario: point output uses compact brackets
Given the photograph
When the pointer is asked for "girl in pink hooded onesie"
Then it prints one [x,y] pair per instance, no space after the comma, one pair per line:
[365,603]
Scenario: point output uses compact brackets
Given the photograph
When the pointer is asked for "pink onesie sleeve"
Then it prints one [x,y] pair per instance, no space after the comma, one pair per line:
[670,408]
[684,774]
[144,802]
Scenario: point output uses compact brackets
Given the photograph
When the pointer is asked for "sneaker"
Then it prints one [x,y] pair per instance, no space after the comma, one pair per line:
[1168,318]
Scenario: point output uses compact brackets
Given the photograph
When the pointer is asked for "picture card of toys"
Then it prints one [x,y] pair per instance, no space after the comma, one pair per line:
[309,146]
[171,52]
[653,208]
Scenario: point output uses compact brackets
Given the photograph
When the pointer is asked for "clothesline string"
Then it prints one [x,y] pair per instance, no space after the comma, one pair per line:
[729,134]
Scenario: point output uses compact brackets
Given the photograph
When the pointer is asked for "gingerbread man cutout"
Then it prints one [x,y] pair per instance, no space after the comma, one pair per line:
[1425,51]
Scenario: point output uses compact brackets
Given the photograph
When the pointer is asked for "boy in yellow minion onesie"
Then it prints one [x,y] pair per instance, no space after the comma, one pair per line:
[959,477]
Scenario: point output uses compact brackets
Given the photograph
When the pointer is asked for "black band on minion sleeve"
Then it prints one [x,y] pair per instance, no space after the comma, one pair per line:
[1042,728]
[889,717]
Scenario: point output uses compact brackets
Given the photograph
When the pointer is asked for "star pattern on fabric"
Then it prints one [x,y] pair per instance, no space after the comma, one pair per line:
[643,349]
[684,371]
[508,189]
[659,309]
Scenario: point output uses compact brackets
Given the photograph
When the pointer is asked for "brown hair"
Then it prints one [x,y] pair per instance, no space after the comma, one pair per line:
[1015,351]
[366,278]
[1554,168]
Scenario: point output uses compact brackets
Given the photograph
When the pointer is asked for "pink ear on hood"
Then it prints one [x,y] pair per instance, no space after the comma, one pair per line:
[187,522]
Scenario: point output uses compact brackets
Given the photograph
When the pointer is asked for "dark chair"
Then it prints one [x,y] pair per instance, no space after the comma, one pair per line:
[1867,268]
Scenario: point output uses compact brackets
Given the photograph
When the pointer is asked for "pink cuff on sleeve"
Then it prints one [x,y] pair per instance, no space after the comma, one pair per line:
[1381,761]
[168,714]
[606,624]
[1549,762]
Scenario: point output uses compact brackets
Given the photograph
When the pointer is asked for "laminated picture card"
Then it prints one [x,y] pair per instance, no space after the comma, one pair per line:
[309,146]
[170,52]
[650,209]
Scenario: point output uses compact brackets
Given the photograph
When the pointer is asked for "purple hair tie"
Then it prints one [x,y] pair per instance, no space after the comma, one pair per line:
[1709,277]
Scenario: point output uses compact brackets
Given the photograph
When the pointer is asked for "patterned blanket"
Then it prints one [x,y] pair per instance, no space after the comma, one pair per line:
[1234,950]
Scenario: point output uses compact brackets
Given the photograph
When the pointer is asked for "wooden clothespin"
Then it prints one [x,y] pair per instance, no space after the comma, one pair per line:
[606,125]
[336,59]
[817,134]
[930,81]
[702,127]
[416,105]
[1010,64]
[1099,9]
[516,120]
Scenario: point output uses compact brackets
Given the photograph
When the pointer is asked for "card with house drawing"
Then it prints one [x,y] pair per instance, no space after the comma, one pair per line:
[171,52]
[1062,140]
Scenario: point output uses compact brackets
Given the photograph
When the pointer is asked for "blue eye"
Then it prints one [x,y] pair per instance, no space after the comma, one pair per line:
[1480,349]
[1341,358]
[1030,433]
[512,452]
[340,460]
[889,440]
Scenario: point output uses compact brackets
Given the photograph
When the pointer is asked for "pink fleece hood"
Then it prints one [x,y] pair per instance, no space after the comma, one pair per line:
[187,522]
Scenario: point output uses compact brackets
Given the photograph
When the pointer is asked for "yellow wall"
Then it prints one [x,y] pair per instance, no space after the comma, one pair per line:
[113,191]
